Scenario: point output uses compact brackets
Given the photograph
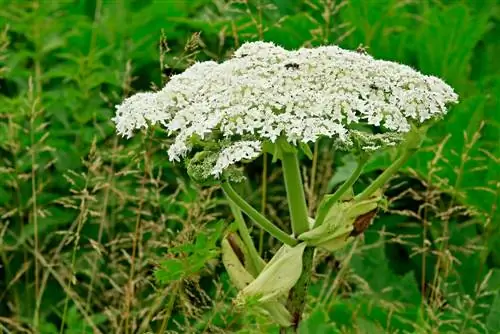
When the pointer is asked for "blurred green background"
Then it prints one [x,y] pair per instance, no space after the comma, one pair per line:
[99,234]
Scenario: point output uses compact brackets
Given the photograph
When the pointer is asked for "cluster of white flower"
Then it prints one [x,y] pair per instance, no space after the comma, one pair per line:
[240,150]
[265,91]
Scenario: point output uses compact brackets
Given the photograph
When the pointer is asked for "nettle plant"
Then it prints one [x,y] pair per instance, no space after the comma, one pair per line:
[268,99]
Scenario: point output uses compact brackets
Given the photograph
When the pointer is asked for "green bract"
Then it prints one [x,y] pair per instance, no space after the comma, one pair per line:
[278,276]
[242,275]
[339,226]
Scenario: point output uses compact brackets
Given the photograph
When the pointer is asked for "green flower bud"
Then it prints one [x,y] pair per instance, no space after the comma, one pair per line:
[277,277]
[277,312]
[234,258]
[362,142]
[344,220]
[200,166]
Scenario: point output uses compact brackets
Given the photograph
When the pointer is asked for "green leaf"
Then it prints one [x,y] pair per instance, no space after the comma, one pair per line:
[493,319]
[306,150]
[278,276]
[374,268]
[189,259]
[318,323]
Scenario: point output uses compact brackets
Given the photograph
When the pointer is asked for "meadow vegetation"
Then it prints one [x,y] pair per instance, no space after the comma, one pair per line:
[100,234]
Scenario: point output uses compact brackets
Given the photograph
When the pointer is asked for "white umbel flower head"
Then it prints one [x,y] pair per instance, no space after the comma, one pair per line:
[265,92]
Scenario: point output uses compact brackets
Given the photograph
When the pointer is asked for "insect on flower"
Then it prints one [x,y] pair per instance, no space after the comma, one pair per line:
[294,66]
[362,49]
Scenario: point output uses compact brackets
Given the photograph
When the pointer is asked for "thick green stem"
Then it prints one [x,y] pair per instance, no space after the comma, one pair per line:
[330,200]
[295,193]
[300,224]
[257,218]
[245,236]
[298,295]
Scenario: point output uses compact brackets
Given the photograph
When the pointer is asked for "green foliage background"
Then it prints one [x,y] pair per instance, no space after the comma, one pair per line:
[103,235]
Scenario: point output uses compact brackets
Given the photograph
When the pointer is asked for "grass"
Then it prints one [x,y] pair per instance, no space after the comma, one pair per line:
[104,235]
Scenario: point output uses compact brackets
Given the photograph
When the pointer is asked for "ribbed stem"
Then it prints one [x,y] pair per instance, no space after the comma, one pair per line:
[300,224]
[295,193]
[257,218]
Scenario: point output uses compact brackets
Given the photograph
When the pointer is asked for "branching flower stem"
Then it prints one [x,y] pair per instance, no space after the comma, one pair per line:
[256,216]
[412,143]
[382,179]
[324,208]
[245,236]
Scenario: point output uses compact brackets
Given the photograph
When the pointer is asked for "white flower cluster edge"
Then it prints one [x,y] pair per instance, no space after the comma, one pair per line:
[265,91]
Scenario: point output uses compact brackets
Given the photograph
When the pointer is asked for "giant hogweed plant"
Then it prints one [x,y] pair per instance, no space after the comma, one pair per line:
[268,99]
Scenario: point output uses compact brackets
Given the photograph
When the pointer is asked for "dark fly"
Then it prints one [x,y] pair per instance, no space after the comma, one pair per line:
[294,66]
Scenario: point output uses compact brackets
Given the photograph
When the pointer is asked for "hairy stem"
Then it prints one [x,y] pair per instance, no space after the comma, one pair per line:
[298,295]
[257,218]
[298,214]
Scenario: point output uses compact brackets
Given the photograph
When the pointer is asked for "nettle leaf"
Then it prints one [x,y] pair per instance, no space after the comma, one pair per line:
[190,258]
[386,287]
[445,42]
[318,323]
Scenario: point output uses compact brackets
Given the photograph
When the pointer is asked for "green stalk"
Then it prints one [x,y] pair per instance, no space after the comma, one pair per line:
[263,200]
[257,218]
[245,236]
[330,200]
[295,193]
[297,297]
[382,179]
[413,140]
[299,217]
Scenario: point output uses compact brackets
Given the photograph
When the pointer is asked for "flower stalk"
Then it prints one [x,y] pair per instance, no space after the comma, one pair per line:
[413,141]
[257,262]
[300,224]
[268,99]
[331,200]
[295,193]
[256,216]
[382,179]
